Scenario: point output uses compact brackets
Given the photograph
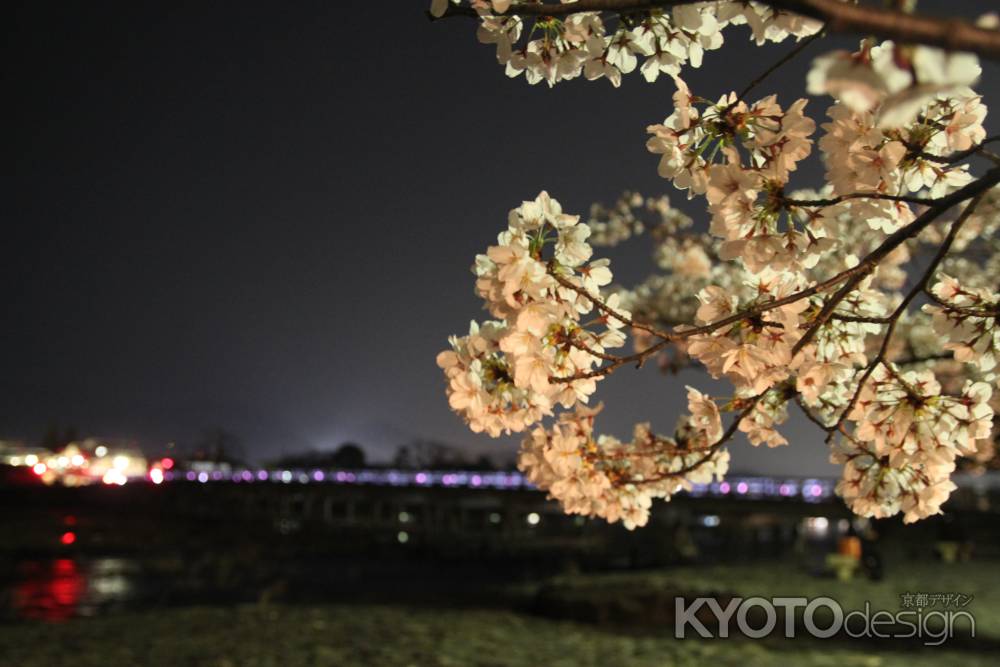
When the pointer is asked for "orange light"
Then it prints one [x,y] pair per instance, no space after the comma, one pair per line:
[68,538]
[39,468]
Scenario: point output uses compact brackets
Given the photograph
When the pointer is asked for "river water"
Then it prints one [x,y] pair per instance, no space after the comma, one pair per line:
[57,589]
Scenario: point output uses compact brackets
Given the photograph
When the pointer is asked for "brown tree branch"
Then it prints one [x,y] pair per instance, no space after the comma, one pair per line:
[953,34]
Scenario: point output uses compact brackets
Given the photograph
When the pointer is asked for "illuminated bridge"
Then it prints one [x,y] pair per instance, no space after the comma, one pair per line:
[810,490]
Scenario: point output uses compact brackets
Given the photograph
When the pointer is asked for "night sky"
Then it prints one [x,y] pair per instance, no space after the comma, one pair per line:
[260,216]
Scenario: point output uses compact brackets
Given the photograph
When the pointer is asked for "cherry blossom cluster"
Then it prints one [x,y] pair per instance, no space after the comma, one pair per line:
[966,317]
[894,82]
[906,440]
[509,373]
[864,158]
[753,353]
[540,353]
[584,43]
[739,157]
[605,477]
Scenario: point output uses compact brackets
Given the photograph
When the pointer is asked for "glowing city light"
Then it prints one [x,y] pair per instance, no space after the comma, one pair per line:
[68,538]
[156,476]
[533,519]
[114,476]
[817,526]
[39,468]
[100,451]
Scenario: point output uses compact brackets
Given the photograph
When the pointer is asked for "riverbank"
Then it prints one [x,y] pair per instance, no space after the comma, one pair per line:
[375,635]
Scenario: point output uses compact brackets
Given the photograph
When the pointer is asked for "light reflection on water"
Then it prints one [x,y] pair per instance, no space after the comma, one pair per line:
[54,590]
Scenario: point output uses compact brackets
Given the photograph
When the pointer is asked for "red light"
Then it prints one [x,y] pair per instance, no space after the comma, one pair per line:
[70,520]
[39,468]
[167,463]
[68,538]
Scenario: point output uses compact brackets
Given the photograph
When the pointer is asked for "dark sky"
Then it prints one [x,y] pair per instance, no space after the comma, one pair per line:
[261,215]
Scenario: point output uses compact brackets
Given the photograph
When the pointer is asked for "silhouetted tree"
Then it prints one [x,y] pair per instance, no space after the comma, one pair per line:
[403,458]
[349,455]
[218,444]
[54,439]
[51,438]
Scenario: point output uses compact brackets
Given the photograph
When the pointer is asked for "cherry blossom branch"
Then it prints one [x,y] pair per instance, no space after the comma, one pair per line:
[859,318]
[974,189]
[639,358]
[613,358]
[963,310]
[953,34]
[910,361]
[880,357]
[909,199]
[607,310]
[709,451]
[853,276]
[958,156]
[667,338]
[809,413]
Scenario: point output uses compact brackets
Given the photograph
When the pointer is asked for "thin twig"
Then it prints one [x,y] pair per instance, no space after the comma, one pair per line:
[958,156]
[799,48]
[909,199]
